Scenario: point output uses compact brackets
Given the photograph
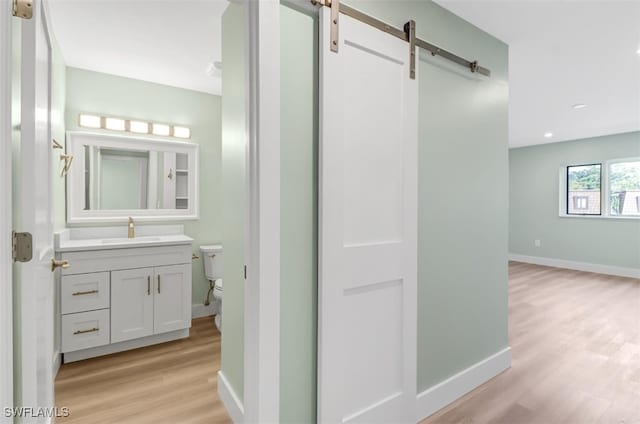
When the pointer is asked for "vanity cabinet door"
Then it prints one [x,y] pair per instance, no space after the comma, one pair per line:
[131,304]
[172,298]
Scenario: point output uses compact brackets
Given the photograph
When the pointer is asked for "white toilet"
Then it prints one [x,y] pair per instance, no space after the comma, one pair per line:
[212,259]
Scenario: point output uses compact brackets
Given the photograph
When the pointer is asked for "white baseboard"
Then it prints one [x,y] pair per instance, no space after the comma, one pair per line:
[199,310]
[79,355]
[442,394]
[578,266]
[234,406]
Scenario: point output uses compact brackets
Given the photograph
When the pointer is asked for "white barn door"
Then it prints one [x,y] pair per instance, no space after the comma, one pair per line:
[368,227]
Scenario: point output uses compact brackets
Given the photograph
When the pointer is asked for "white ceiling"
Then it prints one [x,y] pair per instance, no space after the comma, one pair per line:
[169,42]
[563,53]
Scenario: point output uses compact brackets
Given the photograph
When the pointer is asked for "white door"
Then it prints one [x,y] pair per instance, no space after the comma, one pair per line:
[172,309]
[131,304]
[368,227]
[6,298]
[35,282]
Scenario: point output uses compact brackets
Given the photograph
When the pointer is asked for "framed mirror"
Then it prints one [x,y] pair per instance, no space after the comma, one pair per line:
[114,177]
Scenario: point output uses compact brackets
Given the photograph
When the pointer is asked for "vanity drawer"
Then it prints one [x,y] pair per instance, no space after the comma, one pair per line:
[84,292]
[85,330]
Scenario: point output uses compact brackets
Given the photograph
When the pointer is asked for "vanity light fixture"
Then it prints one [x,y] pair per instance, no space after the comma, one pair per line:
[115,124]
[134,126]
[139,127]
[181,132]
[89,121]
[161,129]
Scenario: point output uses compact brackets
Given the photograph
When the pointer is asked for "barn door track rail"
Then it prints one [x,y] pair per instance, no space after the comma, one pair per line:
[408,34]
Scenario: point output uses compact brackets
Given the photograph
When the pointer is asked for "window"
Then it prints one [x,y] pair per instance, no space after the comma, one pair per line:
[609,189]
[584,189]
[624,188]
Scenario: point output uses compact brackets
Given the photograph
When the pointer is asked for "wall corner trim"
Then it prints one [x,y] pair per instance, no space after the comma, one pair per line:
[442,394]
[230,399]
[57,363]
[577,266]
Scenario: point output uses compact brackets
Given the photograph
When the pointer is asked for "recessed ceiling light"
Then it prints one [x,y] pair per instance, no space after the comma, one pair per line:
[579,106]
[548,135]
[638,51]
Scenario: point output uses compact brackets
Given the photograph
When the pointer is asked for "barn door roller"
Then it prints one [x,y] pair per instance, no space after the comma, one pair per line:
[407,34]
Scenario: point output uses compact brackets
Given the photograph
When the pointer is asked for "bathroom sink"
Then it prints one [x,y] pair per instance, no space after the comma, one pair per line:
[130,240]
[109,238]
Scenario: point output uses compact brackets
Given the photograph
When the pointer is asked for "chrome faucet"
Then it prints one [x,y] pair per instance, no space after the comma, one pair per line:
[132,230]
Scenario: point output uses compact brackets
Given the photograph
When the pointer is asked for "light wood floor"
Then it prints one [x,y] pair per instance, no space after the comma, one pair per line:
[170,383]
[575,340]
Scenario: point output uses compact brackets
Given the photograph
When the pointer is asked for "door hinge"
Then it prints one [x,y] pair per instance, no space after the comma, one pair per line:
[245,272]
[23,9]
[21,247]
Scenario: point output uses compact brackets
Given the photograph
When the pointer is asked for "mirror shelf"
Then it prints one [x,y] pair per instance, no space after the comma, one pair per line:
[115,177]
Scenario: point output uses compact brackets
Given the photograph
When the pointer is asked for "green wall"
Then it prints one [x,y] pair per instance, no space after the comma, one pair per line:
[534,198]
[462,293]
[234,192]
[94,92]
[298,216]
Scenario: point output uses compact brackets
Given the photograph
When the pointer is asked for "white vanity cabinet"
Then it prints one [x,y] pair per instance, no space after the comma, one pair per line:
[114,297]
[131,304]
[148,301]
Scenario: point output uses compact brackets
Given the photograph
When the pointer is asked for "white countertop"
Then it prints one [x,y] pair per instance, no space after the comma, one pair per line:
[103,238]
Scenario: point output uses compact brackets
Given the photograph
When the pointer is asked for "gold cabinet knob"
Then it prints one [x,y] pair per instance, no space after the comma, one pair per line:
[64,264]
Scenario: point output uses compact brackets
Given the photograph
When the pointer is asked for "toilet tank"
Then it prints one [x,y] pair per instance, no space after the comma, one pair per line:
[212,259]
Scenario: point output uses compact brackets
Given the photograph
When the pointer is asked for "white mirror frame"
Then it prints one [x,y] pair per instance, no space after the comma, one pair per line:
[75,191]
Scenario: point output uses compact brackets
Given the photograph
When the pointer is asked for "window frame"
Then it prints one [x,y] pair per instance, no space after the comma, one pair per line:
[605,201]
[566,190]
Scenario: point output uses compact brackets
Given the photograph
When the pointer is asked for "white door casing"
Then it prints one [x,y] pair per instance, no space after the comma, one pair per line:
[6,296]
[132,293]
[368,227]
[35,282]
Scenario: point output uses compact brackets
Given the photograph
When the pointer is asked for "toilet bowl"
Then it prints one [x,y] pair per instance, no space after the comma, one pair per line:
[212,260]
[217,295]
